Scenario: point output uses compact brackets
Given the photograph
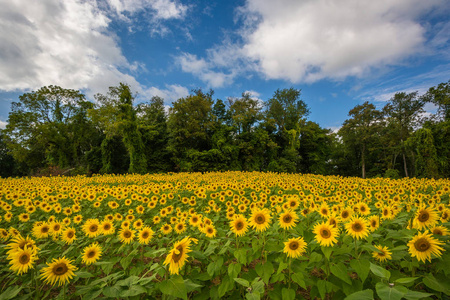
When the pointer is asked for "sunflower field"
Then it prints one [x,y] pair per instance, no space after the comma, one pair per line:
[235,235]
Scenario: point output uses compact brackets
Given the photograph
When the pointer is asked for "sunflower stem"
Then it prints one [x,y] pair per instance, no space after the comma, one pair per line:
[64,292]
[290,261]
[356,248]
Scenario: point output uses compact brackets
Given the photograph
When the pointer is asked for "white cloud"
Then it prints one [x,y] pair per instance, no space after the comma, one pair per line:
[68,43]
[170,94]
[204,70]
[3,124]
[312,40]
[306,41]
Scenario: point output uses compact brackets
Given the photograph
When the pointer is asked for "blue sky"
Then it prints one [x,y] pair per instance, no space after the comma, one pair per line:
[339,53]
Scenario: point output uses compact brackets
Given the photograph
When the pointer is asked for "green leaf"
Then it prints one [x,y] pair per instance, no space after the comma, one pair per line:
[288,294]
[215,266]
[234,270]
[242,281]
[435,284]
[361,295]
[299,279]
[258,285]
[191,286]
[405,280]
[226,285]
[265,271]
[241,256]
[128,281]
[340,271]
[253,296]
[112,291]
[174,286]
[133,291]
[324,287]
[361,267]
[210,250]
[315,257]
[379,271]
[126,261]
[83,274]
[282,267]
[413,295]
[10,292]
[327,251]
[386,292]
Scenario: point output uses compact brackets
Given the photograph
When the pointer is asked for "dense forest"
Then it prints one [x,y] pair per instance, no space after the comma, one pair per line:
[57,131]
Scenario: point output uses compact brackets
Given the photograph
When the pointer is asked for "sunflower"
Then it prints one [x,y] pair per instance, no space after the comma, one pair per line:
[41,230]
[346,214]
[24,217]
[423,245]
[195,220]
[145,235]
[68,235]
[138,224]
[178,255]
[333,221]
[425,218]
[91,253]
[325,234]
[210,231]
[59,270]
[357,228]
[374,222]
[92,228]
[239,225]
[166,229]
[439,230]
[126,235]
[19,242]
[180,227]
[364,209]
[288,219]
[22,259]
[260,219]
[156,220]
[382,254]
[294,247]
[107,227]
[324,210]
[56,228]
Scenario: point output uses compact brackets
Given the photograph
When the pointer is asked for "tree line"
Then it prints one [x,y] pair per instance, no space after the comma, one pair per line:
[58,129]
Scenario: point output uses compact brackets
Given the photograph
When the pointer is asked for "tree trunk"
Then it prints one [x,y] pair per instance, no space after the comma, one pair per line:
[404,165]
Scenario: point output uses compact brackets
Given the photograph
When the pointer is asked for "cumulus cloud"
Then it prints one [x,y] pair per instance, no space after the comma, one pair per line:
[68,43]
[170,94]
[204,70]
[306,41]
[3,124]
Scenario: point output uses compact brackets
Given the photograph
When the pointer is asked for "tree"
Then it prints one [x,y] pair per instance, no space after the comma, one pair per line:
[190,128]
[440,96]
[153,127]
[403,112]
[315,148]
[426,162]
[49,127]
[116,115]
[361,129]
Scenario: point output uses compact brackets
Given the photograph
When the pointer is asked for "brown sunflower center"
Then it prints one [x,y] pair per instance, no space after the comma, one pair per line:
[70,234]
[56,227]
[91,254]
[324,211]
[423,216]
[260,219]
[287,219]
[293,245]
[145,235]
[210,230]
[24,258]
[127,234]
[60,269]
[44,229]
[93,228]
[422,245]
[345,214]
[177,257]
[325,233]
[239,225]
[357,227]
[437,231]
[106,227]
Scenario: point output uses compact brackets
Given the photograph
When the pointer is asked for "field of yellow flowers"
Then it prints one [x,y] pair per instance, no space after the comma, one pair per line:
[236,235]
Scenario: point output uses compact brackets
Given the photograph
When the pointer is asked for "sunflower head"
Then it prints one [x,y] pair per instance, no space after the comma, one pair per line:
[288,219]
[357,228]
[325,234]
[423,246]
[178,255]
[294,247]
[58,271]
[382,254]
[91,253]
[239,225]
[260,219]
